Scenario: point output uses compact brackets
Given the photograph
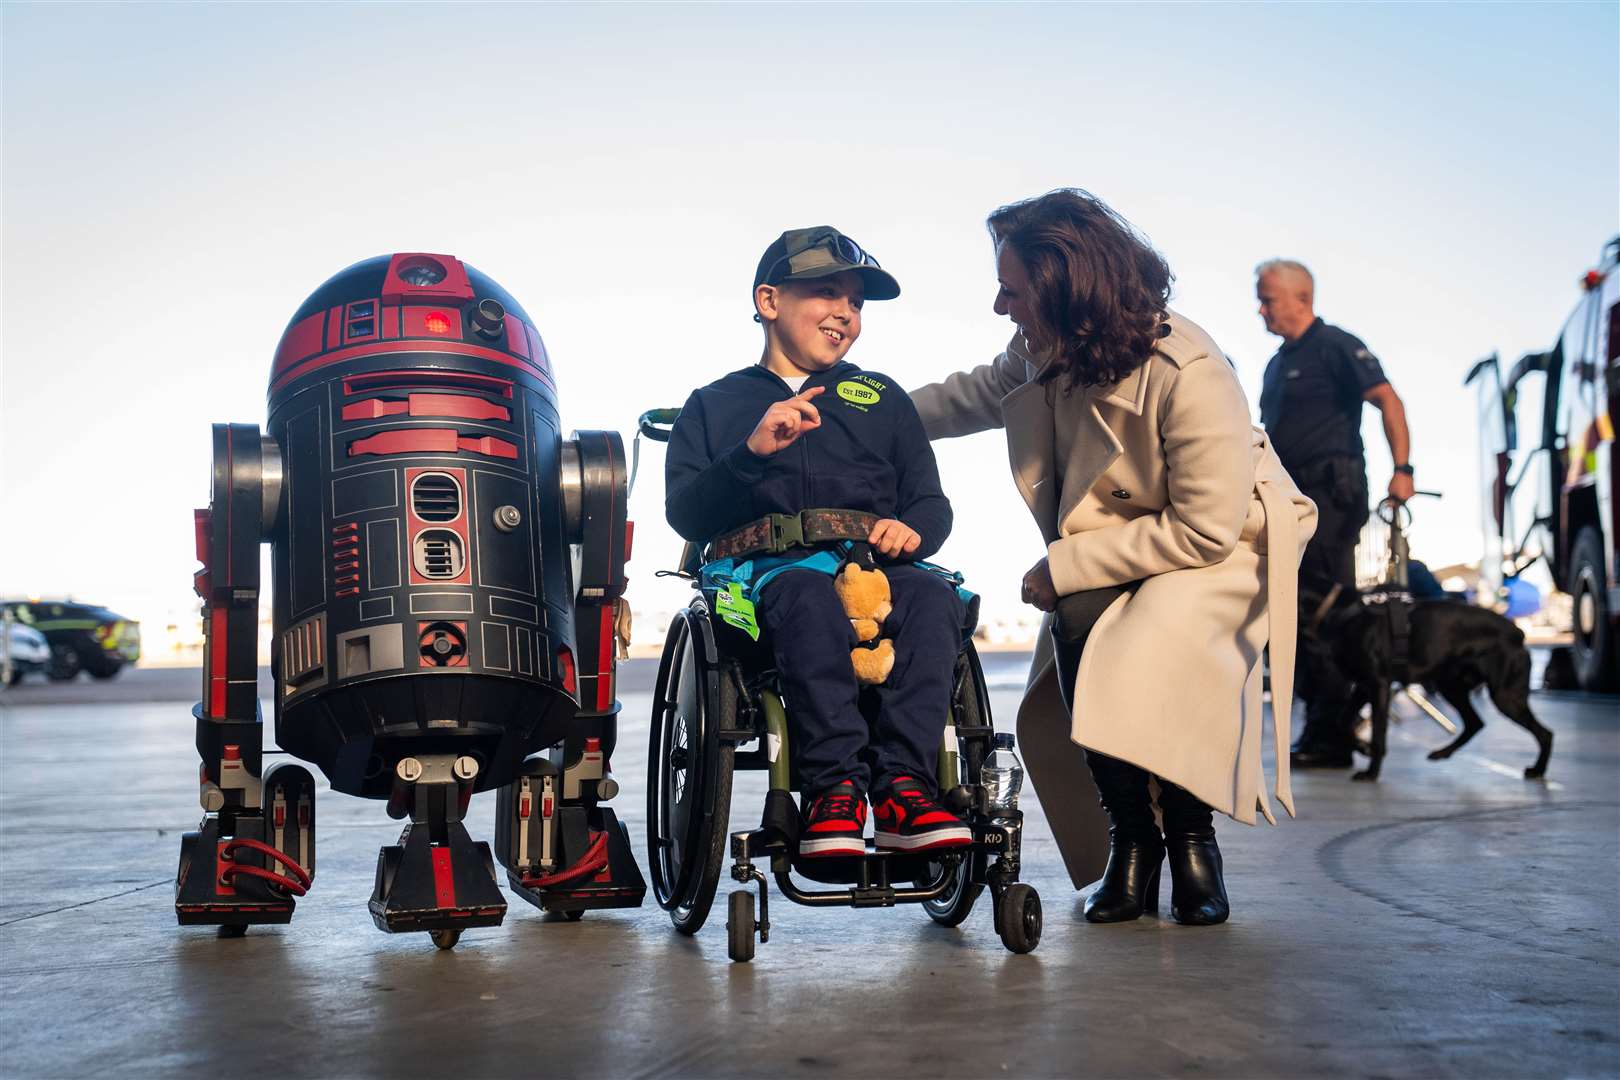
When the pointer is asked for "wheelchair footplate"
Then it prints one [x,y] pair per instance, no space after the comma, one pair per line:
[946,882]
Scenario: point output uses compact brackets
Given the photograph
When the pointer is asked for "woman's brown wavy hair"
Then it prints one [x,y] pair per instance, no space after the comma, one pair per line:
[1098,288]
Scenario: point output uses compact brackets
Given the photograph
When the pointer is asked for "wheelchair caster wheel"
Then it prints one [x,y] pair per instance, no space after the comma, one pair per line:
[1019,912]
[740,926]
[445,939]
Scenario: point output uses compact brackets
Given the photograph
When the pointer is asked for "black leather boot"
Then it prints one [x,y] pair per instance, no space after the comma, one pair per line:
[1130,884]
[1197,890]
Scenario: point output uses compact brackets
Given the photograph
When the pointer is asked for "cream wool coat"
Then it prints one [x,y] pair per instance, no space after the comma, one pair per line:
[1166,482]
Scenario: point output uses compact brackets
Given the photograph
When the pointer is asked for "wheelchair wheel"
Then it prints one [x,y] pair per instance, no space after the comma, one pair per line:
[740,926]
[957,902]
[689,775]
[1019,918]
[969,709]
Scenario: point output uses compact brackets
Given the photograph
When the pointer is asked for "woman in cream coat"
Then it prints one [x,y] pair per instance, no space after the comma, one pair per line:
[1173,540]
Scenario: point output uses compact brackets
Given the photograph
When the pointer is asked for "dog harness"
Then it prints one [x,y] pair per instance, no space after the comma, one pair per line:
[1392,597]
[1395,605]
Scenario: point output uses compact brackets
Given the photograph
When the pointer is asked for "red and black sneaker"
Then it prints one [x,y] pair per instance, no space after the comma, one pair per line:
[908,819]
[835,823]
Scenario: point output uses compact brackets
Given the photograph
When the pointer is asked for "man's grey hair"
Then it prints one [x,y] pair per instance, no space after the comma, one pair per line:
[1288,267]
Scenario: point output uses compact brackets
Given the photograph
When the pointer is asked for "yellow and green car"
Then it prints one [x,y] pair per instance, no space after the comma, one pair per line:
[83,637]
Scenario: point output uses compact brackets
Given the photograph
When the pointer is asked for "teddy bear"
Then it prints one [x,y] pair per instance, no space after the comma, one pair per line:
[865,596]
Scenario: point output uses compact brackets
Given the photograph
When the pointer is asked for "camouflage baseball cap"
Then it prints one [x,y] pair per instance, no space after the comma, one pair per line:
[819,251]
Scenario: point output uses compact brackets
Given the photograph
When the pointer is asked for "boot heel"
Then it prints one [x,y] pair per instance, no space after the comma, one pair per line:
[1150,901]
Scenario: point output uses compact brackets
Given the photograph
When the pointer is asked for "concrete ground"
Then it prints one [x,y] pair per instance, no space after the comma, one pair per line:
[1451,920]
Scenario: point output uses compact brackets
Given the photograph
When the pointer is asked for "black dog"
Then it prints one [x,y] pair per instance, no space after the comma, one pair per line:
[1453,648]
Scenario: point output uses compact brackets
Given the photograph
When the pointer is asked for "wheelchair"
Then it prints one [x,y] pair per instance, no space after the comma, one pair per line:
[718,707]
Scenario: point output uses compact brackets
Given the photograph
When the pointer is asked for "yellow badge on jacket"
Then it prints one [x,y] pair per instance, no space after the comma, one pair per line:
[858,394]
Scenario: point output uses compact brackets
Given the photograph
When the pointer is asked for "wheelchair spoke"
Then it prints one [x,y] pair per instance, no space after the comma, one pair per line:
[679,757]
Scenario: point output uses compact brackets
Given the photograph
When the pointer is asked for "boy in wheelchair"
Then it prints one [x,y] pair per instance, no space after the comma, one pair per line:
[805,429]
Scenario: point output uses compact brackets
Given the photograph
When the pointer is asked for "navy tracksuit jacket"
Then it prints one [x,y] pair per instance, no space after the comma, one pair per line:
[870,453]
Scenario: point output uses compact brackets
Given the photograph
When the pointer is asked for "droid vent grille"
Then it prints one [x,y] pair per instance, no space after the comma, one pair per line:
[437,554]
[436,497]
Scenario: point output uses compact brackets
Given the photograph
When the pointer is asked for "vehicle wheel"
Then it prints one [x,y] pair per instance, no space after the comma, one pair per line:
[65,663]
[233,930]
[445,939]
[688,775]
[1020,911]
[953,907]
[1594,651]
[574,916]
[740,926]
[105,670]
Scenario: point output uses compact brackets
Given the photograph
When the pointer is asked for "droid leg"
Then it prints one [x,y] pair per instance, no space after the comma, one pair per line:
[563,850]
[255,849]
[437,878]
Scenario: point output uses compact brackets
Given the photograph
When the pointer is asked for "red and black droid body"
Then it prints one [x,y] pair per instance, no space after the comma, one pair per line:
[448,576]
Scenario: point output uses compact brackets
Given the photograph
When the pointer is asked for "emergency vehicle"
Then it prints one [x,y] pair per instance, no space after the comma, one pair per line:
[1549,464]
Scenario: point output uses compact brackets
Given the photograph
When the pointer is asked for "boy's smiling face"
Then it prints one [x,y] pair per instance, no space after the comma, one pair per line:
[810,325]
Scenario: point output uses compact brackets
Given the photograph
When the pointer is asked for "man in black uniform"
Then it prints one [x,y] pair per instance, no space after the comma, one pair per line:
[1310,404]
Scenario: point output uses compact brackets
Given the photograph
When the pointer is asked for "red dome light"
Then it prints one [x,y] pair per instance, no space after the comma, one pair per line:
[437,322]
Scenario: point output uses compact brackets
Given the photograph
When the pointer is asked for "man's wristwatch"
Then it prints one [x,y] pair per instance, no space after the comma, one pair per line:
[1404,468]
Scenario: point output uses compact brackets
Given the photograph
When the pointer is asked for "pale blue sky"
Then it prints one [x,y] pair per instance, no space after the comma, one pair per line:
[175,179]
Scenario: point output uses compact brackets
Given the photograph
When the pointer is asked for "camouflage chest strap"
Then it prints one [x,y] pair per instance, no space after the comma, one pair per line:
[776,533]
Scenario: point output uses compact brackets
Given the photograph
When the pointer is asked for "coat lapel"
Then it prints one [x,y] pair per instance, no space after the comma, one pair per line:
[1028,420]
[1095,444]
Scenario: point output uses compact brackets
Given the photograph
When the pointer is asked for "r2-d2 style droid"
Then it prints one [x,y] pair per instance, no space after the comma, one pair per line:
[448,572]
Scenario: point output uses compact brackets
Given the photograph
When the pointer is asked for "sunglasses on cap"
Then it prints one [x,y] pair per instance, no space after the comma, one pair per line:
[817,253]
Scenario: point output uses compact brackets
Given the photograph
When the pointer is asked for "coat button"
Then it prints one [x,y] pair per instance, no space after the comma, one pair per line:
[1120,493]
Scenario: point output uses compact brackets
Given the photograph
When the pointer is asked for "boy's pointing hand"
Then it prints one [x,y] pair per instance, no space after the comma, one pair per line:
[784,422]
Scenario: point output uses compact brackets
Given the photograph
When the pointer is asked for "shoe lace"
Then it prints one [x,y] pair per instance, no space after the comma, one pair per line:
[915,800]
[835,804]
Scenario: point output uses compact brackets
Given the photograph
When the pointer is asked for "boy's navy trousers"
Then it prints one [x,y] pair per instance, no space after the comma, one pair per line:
[811,638]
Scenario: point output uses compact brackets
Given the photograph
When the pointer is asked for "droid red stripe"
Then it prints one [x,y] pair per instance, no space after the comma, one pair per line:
[444,878]
[380,348]
[216,661]
[301,341]
[458,406]
[604,661]
[517,336]
[465,380]
[430,441]
[374,409]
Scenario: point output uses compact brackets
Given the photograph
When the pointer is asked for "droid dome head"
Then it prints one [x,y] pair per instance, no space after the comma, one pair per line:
[423,591]
[418,301]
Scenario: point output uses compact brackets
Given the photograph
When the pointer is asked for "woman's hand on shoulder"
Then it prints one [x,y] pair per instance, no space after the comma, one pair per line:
[1038,588]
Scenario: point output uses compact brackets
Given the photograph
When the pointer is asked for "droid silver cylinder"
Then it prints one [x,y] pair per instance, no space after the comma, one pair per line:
[271,476]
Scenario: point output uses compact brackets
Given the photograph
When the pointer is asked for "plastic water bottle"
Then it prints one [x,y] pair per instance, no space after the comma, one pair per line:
[1002,775]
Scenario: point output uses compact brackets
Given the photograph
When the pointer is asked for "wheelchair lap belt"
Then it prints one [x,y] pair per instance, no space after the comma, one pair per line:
[1396,606]
[775,533]
[734,585]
